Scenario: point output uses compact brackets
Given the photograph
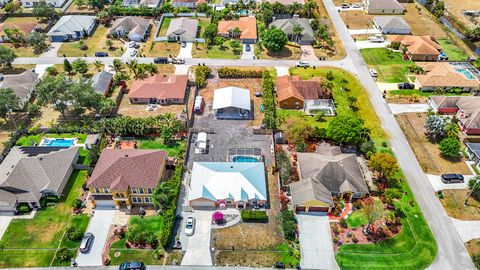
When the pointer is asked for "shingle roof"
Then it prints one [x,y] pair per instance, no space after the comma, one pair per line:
[160,87]
[27,171]
[474,147]
[71,24]
[119,169]
[130,24]
[418,45]
[443,74]
[391,22]
[286,25]
[183,26]
[248,26]
[469,106]
[21,84]
[101,80]
[384,4]
[294,86]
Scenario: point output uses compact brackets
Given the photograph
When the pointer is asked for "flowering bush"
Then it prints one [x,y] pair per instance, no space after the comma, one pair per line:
[217,217]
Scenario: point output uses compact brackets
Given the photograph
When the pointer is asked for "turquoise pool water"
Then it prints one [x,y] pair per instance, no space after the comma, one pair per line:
[466,73]
[58,142]
[244,159]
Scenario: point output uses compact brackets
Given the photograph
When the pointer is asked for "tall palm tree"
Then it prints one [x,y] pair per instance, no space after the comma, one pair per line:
[161,195]
[132,66]
[297,31]
[152,69]
[98,65]
[117,65]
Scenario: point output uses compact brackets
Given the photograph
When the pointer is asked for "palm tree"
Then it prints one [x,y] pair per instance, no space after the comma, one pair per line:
[161,195]
[98,65]
[132,66]
[295,7]
[351,100]
[109,43]
[297,31]
[152,69]
[310,6]
[140,71]
[117,66]
[236,32]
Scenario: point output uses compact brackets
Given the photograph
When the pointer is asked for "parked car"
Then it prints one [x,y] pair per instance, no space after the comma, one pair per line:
[373,72]
[452,178]
[184,44]
[133,52]
[160,60]
[199,104]
[258,94]
[356,6]
[376,39]
[101,54]
[190,226]
[302,64]
[248,48]
[406,85]
[345,6]
[178,61]
[133,44]
[86,243]
[132,266]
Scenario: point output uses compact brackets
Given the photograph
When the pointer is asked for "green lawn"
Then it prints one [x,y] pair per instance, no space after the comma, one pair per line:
[284,114]
[80,222]
[413,248]
[147,224]
[390,65]
[143,255]
[164,27]
[289,256]
[95,43]
[25,258]
[32,139]
[453,52]
[358,217]
[216,51]
[156,143]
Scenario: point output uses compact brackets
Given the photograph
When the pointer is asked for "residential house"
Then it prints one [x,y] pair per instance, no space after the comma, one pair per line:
[102,81]
[29,173]
[392,25]
[159,89]
[446,76]
[232,103]
[72,27]
[247,26]
[136,28]
[33,3]
[182,29]
[26,28]
[142,3]
[126,177]
[383,7]
[22,84]
[187,3]
[326,174]
[418,48]
[307,35]
[292,91]
[473,152]
[465,108]
[227,184]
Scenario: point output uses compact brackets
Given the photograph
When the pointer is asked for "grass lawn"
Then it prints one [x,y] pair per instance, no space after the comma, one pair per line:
[453,204]
[390,65]
[216,51]
[142,255]
[25,258]
[79,222]
[22,51]
[156,143]
[161,49]
[95,43]
[358,217]
[147,224]
[32,139]
[288,53]
[413,248]
[453,52]
[164,27]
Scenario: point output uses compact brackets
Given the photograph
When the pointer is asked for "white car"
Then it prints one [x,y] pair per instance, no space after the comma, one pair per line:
[302,64]
[376,39]
[133,44]
[356,6]
[190,226]
[133,52]
[373,72]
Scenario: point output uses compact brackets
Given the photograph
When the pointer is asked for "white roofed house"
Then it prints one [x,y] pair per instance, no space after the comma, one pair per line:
[392,25]
[72,27]
[236,184]
[136,28]
[232,103]
[32,3]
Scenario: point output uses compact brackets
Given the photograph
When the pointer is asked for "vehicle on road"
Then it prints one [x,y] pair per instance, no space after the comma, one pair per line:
[373,72]
[133,52]
[132,266]
[178,61]
[101,54]
[86,243]
[451,178]
[356,6]
[302,64]
[406,85]
[160,60]
[190,226]
[248,48]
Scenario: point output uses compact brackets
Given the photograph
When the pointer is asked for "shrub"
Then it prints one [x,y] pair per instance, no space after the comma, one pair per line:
[217,217]
[51,199]
[159,253]
[74,234]
[23,208]
[76,204]
[227,72]
[64,255]
[476,259]
[289,224]
[450,147]
[254,216]
[201,75]
[343,223]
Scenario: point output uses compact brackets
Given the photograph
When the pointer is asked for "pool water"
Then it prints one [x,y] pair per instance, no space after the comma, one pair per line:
[466,73]
[58,142]
[244,159]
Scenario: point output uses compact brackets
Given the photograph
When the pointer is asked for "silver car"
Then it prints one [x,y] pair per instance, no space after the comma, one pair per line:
[190,226]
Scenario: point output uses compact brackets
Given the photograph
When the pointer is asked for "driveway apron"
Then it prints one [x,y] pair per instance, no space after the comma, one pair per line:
[198,247]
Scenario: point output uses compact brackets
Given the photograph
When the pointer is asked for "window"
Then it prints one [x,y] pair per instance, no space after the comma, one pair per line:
[136,199]
[149,191]
[106,190]
[134,190]
[141,190]
[147,200]
[97,190]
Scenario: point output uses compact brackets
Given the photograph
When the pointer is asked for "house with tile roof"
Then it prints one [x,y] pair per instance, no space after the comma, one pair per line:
[392,25]
[72,27]
[22,85]
[465,108]
[126,177]
[446,76]
[234,184]
[292,91]
[326,174]
[182,29]
[307,37]
[247,26]
[135,28]
[159,89]
[187,3]
[383,7]
[418,48]
[29,173]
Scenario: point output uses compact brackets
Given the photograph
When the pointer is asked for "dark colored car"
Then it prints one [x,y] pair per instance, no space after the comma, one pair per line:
[101,54]
[160,60]
[132,266]
[248,48]
[452,178]
[279,265]
[406,86]
[86,243]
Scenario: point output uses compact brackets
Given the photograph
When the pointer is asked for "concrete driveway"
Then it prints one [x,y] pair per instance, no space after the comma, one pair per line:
[437,184]
[182,69]
[369,32]
[99,226]
[250,54]
[52,50]
[308,53]
[468,230]
[41,69]
[387,86]
[186,52]
[4,222]
[198,246]
[406,108]
[364,44]
[316,247]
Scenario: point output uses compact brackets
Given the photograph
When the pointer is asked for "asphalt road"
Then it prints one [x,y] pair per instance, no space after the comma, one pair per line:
[451,250]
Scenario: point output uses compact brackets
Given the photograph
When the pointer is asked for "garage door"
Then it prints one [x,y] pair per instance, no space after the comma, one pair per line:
[318,209]
[203,204]
[301,208]
[105,204]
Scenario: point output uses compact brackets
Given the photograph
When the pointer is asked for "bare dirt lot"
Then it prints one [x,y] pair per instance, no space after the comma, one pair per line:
[427,153]
[454,10]
[356,19]
[422,22]
[453,204]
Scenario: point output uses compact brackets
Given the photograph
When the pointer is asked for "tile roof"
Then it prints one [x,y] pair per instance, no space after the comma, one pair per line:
[119,169]
[468,106]
[21,84]
[294,86]
[68,25]
[183,26]
[130,24]
[443,74]
[160,87]
[248,26]
[418,45]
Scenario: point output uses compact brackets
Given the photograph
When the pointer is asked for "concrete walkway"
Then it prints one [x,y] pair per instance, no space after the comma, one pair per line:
[198,247]
[468,230]
[4,222]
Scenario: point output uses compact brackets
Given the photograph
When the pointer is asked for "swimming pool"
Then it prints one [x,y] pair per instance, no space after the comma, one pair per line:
[56,142]
[244,159]
[466,73]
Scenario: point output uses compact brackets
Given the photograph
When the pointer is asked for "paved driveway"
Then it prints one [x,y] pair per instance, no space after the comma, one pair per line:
[406,108]
[308,53]
[41,69]
[250,54]
[52,50]
[437,184]
[182,69]
[198,247]
[186,52]
[364,44]
[369,32]
[468,230]
[99,226]
[316,247]
[4,222]
[387,86]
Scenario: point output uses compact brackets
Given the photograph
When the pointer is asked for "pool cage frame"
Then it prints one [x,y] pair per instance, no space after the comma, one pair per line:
[246,152]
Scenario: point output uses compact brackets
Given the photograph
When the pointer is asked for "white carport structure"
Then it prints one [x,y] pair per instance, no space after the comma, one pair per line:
[231,103]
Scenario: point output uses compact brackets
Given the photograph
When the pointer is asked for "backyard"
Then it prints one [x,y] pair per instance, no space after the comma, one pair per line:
[94,43]
[31,140]
[150,48]
[453,200]
[453,52]
[389,65]
[156,143]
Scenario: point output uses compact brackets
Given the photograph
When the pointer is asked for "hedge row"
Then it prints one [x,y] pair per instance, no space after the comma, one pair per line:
[201,75]
[289,224]
[254,216]
[226,72]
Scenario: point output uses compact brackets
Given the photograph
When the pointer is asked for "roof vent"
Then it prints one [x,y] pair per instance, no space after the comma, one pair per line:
[126,155]
[40,159]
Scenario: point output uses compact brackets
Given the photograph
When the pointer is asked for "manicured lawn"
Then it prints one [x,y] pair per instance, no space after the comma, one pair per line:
[32,139]
[142,255]
[22,51]
[164,27]
[161,49]
[285,114]
[413,248]
[95,43]
[288,52]
[453,52]
[80,222]
[215,51]
[390,65]
[172,150]
[358,217]
[25,258]
[147,224]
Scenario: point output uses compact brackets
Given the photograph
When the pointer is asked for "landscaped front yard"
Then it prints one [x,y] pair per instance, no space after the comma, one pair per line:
[95,43]
[288,52]
[453,200]
[224,51]
[389,65]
